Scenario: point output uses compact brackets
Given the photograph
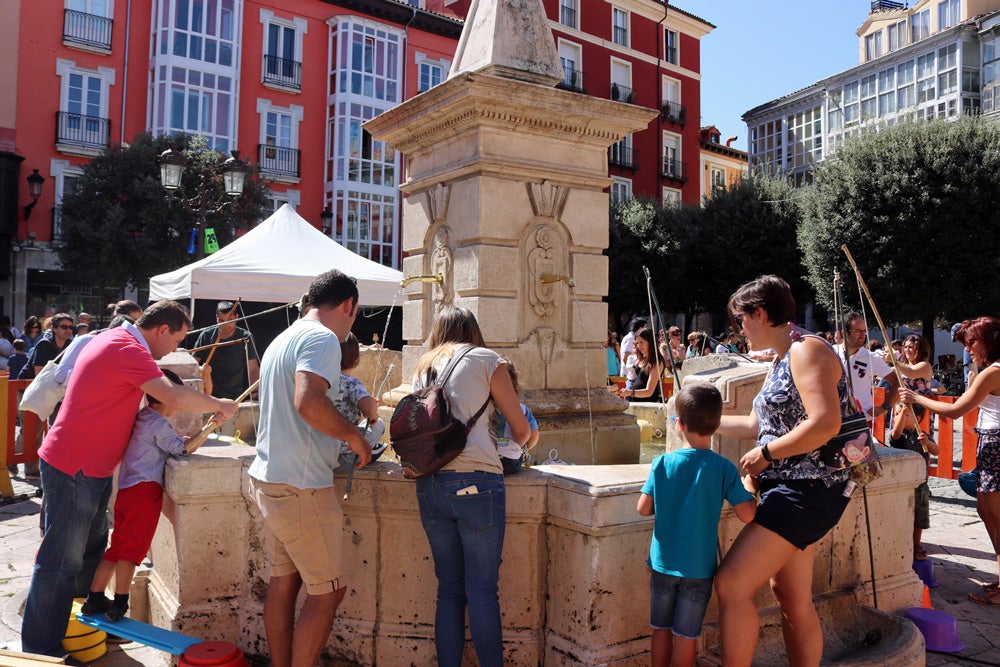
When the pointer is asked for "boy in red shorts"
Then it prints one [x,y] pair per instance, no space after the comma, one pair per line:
[138,505]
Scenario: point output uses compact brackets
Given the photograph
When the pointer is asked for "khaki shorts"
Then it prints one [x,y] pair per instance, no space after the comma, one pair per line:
[303,533]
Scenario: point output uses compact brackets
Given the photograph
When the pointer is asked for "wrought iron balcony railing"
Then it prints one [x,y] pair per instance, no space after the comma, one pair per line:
[674,112]
[283,72]
[887,4]
[278,160]
[674,169]
[620,93]
[572,80]
[622,156]
[76,129]
[87,29]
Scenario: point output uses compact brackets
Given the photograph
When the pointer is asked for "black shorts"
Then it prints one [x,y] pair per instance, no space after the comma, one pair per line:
[801,511]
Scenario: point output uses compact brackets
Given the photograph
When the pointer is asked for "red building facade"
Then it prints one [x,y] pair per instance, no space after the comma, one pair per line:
[288,84]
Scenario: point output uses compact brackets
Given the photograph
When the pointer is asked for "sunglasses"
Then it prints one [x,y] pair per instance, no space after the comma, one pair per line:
[64,326]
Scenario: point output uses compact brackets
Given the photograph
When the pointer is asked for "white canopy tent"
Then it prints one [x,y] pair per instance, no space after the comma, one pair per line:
[276,261]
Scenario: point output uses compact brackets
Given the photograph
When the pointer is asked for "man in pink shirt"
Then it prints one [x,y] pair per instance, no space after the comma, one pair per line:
[82,449]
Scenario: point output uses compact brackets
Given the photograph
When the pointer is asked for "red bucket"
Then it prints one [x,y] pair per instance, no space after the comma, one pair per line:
[212,654]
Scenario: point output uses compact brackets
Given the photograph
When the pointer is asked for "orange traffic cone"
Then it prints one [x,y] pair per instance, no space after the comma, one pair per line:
[926,602]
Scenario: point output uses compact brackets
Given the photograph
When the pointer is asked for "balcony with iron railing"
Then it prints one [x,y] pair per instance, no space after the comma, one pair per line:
[622,156]
[282,72]
[278,160]
[674,169]
[572,80]
[878,5]
[620,93]
[84,132]
[88,30]
[674,112]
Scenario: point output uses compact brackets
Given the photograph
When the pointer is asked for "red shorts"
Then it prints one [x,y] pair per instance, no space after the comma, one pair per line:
[137,511]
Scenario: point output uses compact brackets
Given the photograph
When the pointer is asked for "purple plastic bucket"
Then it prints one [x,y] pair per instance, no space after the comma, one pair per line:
[925,570]
[939,629]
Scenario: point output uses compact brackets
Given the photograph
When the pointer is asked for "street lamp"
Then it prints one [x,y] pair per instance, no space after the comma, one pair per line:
[326,219]
[35,182]
[234,172]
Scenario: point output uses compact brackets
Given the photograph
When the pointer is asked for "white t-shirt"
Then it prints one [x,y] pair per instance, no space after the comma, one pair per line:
[628,344]
[864,367]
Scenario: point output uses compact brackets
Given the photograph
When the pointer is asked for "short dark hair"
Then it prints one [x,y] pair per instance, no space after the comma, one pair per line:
[124,307]
[224,307]
[331,289]
[850,317]
[165,311]
[170,375]
[350,352]
[19,345]
[638,323]
[768,292]
[699,406]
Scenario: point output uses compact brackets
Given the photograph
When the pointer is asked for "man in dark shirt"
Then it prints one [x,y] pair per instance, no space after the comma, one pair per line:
[235,366]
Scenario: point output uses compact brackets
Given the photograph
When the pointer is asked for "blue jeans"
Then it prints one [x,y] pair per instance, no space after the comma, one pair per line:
[466,536]
[76,523]
[678,603]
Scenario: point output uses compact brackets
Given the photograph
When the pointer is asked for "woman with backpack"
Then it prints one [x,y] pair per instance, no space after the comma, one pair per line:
[463,505]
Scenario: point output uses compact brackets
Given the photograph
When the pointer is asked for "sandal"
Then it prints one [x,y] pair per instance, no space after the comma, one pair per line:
[919,553]
[984,600]
[991,587]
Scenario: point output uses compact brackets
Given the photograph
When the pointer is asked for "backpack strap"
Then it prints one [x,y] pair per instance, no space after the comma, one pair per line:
[850,407]
[446,373]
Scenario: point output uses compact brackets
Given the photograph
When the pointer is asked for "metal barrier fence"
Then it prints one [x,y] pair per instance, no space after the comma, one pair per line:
[945,464]
[30,428]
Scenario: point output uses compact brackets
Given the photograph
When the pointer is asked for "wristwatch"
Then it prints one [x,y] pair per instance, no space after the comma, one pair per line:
[766,453]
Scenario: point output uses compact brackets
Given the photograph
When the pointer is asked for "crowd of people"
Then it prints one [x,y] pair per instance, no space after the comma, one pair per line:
[783,489]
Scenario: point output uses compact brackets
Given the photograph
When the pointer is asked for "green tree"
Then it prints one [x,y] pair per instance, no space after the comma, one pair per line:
[916,204]
[120,226]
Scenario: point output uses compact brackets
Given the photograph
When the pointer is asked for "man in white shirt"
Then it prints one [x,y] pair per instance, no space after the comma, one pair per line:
[628,342]
[864,364]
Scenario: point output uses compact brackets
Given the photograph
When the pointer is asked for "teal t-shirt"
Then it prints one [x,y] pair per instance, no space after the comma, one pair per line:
[688,486]
[290,451]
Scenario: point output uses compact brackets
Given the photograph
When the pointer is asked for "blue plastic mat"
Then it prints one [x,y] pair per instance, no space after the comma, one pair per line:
[144,633]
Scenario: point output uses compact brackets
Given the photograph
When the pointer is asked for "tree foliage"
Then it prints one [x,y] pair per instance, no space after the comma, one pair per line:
[916,204]
[699,256]
[120,226]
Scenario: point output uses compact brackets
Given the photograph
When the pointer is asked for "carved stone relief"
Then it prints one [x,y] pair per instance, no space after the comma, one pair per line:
[441,262]
[544,250]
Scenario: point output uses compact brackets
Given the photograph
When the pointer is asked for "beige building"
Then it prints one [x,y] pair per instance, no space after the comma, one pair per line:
[721,164]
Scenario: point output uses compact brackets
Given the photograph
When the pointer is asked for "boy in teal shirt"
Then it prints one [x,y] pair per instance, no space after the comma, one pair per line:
[685,490]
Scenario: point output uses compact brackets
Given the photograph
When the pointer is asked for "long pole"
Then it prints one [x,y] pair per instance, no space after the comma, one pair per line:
[881,326]
[197,441]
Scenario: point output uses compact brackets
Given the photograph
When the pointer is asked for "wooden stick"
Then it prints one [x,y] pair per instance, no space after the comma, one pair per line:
[881,326]
[197,441]
[202,348]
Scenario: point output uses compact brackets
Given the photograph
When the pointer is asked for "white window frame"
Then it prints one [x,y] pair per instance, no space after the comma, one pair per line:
[873,45]
[570,51]
[895,36]
[422,59]
[278,197]
[716,177]
[672,141]
[66,68]
[109,7]
[615,13]
[620,189]
[299,25]
[920,26]
[677,46]
[949,13]
[573,5]
[621,69]
[297,113]
[59,170]
[670,197]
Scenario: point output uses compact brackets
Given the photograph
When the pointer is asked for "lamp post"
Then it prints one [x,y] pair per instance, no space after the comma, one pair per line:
[326,219]
[205,201]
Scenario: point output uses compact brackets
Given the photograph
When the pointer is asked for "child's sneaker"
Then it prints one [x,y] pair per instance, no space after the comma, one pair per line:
[117,611]
[95,605]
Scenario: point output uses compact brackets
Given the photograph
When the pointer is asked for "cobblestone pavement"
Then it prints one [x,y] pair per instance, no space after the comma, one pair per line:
[956,542]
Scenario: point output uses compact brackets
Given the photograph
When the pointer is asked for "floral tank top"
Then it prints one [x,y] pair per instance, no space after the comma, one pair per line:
[779,409]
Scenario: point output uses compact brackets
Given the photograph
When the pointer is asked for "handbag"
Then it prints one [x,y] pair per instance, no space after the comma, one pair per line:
[853,447]
[423,432]
[44,393]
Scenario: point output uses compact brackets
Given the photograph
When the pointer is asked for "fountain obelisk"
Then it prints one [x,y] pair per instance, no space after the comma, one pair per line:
[505,177]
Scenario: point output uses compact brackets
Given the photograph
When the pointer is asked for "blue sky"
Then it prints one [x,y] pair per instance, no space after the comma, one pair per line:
[763,49]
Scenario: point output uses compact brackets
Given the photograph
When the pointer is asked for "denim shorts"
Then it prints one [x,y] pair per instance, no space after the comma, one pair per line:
[678,603]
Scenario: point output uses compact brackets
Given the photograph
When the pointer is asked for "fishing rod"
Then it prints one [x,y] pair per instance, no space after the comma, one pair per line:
[651,296]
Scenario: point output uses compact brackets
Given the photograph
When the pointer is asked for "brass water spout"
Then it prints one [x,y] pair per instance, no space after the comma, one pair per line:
[436,278]
[549,278]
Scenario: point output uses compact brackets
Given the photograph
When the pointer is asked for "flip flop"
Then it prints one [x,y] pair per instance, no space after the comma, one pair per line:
[992,586]
[984,600]
[919,553]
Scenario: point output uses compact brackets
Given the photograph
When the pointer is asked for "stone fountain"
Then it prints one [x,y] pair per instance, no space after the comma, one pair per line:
[505,179]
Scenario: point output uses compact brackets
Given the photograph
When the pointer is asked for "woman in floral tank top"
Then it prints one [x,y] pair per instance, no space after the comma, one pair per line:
[796,412]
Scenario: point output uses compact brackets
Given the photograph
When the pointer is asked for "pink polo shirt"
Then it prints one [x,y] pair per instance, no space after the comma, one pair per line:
[96,417]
